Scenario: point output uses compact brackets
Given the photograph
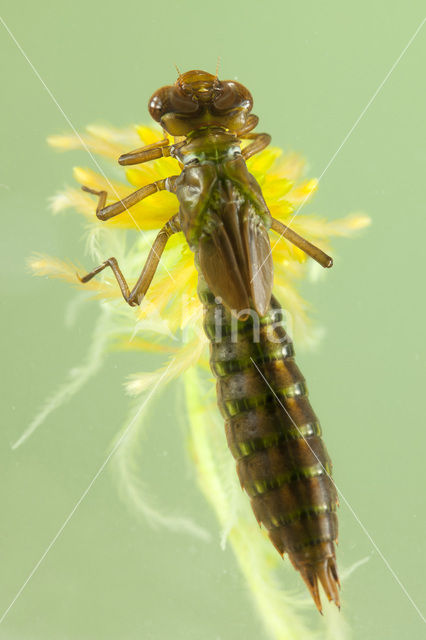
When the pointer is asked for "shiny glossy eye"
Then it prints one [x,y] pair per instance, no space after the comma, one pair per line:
[157,104]
[230,95]
[224,98]
[155,107]
[171,100]
[180,102]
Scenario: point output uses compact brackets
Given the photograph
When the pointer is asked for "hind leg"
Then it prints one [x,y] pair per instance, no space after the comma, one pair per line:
[137,294]
[310,249]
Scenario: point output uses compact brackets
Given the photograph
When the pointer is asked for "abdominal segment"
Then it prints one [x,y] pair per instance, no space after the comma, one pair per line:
[275,438]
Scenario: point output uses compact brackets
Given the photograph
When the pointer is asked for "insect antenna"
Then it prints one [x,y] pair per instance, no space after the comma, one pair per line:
[217,69]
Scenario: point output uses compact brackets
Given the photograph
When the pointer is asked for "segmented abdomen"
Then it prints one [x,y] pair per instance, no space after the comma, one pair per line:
[275,437]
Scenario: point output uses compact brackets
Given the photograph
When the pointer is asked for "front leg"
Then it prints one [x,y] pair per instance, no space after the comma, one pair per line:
[260,142]
[160,149]
[251,122]
[136,295]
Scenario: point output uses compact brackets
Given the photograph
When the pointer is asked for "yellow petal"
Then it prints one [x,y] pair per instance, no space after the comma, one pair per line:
[302,192]
[291,166]
[152,171]
[261,163]
[122,137]
[42,265]
[149,135]
[139,344]
[281,209]
[101,140]
[348,225]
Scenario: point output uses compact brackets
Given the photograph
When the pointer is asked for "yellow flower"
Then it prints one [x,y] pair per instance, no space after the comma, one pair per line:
[169,322]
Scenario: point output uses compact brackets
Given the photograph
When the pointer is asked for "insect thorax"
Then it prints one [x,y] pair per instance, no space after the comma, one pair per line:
[209,144]
[214,176]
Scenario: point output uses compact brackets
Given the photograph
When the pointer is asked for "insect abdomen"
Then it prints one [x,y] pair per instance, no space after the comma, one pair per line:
[275,437]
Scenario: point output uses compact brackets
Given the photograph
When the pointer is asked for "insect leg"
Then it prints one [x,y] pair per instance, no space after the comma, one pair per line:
[251,123]
[136,295]
[153,151]
[310,249]
[105,213]
[260,142]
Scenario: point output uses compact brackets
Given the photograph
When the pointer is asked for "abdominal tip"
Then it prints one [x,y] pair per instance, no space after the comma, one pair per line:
[324,572]
[310,577]
[327,573]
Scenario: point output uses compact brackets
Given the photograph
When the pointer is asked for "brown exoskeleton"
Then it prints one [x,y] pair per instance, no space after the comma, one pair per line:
[271,428]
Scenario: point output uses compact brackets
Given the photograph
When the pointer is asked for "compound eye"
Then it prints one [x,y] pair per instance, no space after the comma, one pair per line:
[171,100]
[231,95]
[225,97]
[157,104]
[180,102]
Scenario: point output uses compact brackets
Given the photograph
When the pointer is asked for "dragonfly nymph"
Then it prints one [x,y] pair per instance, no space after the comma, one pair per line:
[271,428]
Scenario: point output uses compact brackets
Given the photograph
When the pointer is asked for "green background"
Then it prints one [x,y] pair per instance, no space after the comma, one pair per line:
[312,68]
